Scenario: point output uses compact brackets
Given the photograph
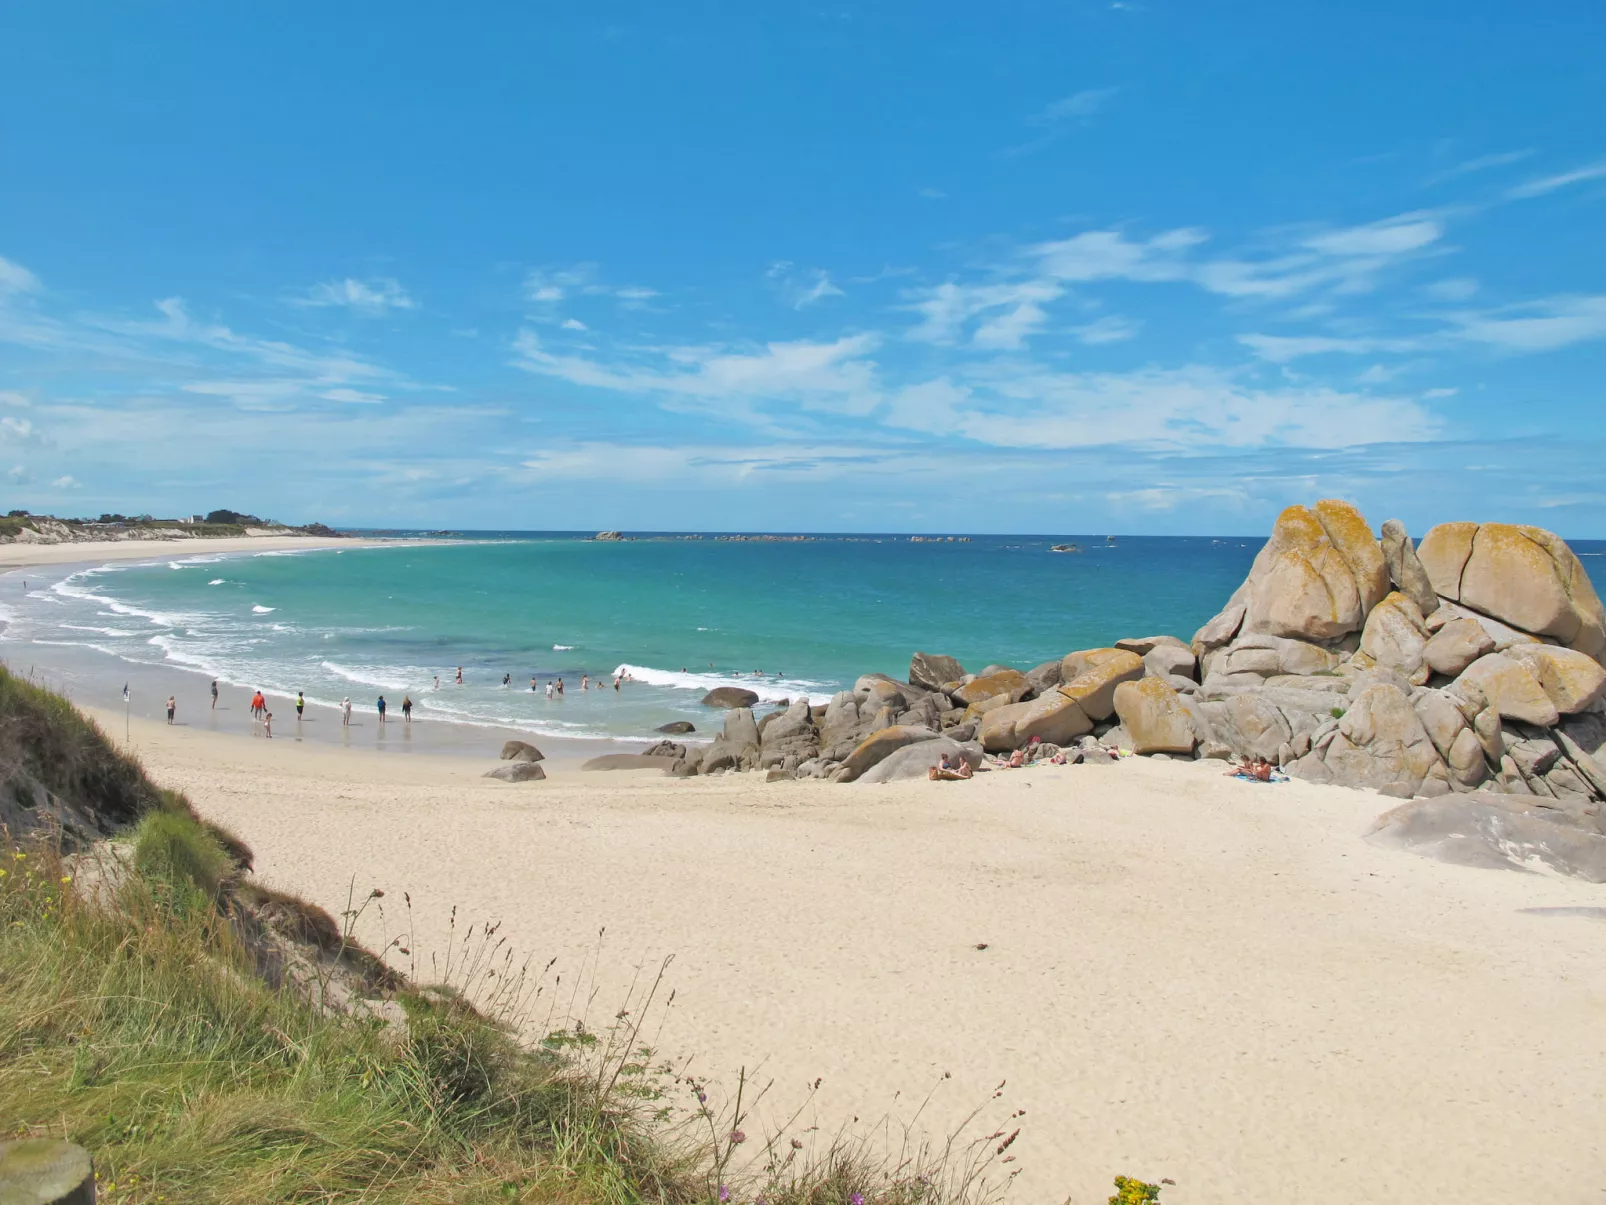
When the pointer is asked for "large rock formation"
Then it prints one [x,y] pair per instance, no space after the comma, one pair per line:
[934,670]
[1318,576]
[1523,576]
[1154,717]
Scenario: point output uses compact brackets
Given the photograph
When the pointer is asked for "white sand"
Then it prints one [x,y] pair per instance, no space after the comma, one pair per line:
[1186,976]
[17,556]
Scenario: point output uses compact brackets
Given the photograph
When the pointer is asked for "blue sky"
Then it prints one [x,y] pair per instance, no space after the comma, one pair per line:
[1048,267]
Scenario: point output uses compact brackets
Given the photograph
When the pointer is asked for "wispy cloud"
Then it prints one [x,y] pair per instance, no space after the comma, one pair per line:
[947,309]
[801,289]
[14,278]
[372,297]
[1077,107]
[1112,328]
[933,194]
[548,286]
[1543,325]
[1547,184]
[1283,349]
[1480,163]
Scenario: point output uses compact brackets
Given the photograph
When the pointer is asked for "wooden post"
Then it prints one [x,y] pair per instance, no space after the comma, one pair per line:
[45,1171]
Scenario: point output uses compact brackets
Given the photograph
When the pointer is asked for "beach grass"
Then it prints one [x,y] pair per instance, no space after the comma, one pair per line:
[136,1019]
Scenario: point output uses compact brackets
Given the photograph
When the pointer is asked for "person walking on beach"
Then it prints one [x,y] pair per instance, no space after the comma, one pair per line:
[407,709]
[267,723]
[381,709]
[301,705]
[172,706]
[214,694]
[345,711]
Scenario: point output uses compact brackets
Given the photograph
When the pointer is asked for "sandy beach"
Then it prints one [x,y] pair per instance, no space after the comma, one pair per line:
[1184,976]
[20,556]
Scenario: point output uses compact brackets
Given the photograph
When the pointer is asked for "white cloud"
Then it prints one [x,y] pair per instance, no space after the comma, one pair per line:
[19,429]
[1457,288]
[17,473]
[365,296]
[353,396]
[1192,407]
[1435,394]
[933,194]
[800,292]
[1479,164]
[1393,236]
[1538,188]
[1077,107]
[548,286]
[948,308]
[573,324]
[64,483]
[833,376]
[1281,349]
[1110,255]
[14,278]
[1112,328]
[1543,325]
[11,398]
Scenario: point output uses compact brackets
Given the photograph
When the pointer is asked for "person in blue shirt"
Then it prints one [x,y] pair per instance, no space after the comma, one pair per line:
[381,709]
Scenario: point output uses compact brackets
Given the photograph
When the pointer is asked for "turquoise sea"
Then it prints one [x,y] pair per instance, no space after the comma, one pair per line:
[679,615]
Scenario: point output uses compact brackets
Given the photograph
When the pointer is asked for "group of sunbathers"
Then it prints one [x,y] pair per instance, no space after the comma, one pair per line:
[1252,767]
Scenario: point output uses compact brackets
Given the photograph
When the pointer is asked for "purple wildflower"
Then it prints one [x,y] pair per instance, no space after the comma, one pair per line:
[737,1136]
[724,1193]
[856,1199]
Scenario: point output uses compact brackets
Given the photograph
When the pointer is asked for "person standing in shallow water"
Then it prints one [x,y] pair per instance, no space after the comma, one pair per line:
[301,704]
[407,709]
[381,706]
[345,711]
[172,706]
[214,694]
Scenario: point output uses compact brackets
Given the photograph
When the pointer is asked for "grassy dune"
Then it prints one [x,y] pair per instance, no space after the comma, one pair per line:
[211,1040]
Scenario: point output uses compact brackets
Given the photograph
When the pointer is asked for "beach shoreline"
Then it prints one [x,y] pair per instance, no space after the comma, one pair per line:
[94,552]
[1178,975]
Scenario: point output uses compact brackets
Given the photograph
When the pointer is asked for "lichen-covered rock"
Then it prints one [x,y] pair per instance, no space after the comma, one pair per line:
[1396,635]
[1144,645]
[1093,685]
[1524,576]
[1381,741]
[1055,719]
[1571,680]
[1405,569]
[1318,576]
[1224,625]
[1455,646]
[1246,723]
[877,746]
[1511,688]
[1154,715]
[996,728]
[1004,682]
[934,670]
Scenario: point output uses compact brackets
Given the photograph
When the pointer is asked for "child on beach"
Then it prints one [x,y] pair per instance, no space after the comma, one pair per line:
[345,711]
[301,704]
[214,694]
[267,724]
[381,706]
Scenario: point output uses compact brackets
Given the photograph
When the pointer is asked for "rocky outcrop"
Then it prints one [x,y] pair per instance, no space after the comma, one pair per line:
[1497,832]
[737,745]
[1008,682]
[1090,677]
[1396,636]
[934,670]
[1405,568]
[1455,646]
[517,771]
[676,727]
[916,760]
[520,751]
[729,696]
[1154,717]
[790,738]
[1318,576]
[1523,576]
[878,746]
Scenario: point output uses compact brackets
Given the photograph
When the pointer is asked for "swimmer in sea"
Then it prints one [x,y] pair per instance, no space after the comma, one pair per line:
[585,681]
[507,680]
[532,685]
[549,690]
[460,675]
[560,686]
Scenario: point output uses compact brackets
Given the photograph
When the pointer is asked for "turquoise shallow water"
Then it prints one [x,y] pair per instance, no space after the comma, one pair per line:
[681,615]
